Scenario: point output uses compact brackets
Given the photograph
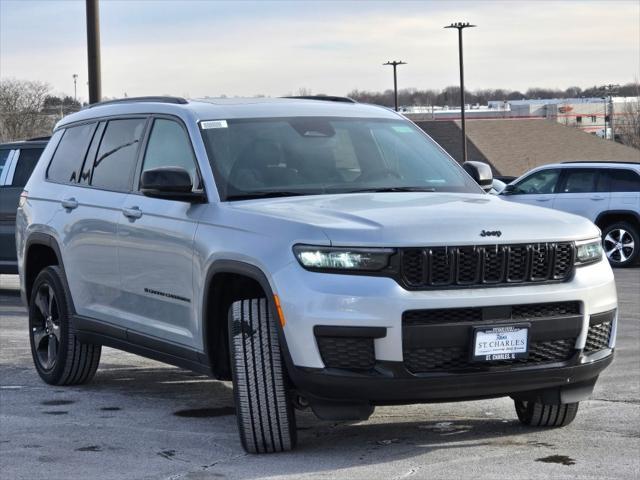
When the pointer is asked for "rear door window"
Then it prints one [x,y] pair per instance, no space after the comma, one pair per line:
[580,181]
[67,160]
[116,158]
[623,180]
[26,163]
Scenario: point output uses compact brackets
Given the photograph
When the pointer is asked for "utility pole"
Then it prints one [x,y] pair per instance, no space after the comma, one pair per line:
[75,87]
[461,26]
[608,91]
[93,51]
[395,64]
[604,99]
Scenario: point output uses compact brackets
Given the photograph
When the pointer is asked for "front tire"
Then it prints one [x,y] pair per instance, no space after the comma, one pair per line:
[538,414]
[621,244]
[264,410]
[59,357]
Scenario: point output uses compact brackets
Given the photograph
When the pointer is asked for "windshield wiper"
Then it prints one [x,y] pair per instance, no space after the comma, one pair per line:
[392,189]
[266,194]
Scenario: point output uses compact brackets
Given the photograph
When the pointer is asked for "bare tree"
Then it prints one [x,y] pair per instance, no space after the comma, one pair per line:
[304,92]
[627,124]
[21,115]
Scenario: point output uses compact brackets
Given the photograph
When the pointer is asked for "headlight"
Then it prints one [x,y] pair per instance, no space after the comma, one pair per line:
[589,251]
[338,258]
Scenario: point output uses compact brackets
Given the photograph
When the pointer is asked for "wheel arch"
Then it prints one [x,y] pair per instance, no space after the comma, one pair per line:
[41,250]
[227,281]
[612,216]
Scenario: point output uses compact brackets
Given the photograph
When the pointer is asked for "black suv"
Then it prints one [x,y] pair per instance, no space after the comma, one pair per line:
[17,161]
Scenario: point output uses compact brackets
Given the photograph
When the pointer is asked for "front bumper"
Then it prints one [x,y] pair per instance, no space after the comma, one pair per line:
[311,299]
[391,383]
[315,306]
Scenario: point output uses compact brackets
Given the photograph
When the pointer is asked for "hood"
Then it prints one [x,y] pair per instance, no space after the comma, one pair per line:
[423,219]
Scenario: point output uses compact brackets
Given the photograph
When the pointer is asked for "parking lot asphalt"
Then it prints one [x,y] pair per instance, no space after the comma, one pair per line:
[140,419]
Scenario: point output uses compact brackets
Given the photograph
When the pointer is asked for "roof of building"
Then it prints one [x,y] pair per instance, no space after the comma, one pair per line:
[513,147]
[447,134]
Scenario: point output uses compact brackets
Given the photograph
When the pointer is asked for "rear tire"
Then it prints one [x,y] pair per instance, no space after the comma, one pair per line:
[59,357]
[264,411]
[537,414]
[621,244]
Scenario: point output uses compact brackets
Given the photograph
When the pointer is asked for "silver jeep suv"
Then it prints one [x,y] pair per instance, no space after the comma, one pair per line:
[319,253]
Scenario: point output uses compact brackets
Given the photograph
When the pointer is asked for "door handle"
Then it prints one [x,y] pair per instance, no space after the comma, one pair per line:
[597,198]
[69,203]
[132,213]
[542,199]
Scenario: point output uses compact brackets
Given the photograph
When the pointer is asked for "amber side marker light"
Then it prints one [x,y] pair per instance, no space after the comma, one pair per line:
[276,299]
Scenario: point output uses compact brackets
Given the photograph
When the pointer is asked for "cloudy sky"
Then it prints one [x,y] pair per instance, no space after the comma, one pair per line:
[207,47]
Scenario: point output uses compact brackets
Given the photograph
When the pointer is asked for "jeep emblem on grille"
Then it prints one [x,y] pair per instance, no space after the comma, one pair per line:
[490,233]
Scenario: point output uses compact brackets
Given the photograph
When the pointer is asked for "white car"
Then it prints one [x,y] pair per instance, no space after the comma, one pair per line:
[607,193]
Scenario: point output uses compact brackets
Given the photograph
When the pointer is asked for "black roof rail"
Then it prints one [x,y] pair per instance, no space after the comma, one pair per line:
[38,139]
[326,98]
[158,99]
[603,161]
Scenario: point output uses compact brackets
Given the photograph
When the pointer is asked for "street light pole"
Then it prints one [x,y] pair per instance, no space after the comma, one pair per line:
[75,88]
[461,26]
[93,51]
[395,64]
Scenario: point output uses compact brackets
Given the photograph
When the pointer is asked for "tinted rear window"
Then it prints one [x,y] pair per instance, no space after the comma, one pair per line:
[116,157]
[68,158]
[580,181]
[624,180]
[26,163]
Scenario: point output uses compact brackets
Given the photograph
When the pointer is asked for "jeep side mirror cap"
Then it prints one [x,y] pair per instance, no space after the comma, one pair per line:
[171,183]
[481,173]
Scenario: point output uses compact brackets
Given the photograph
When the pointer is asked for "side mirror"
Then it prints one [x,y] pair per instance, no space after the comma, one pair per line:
[171,183]
[509,189]
[481,173]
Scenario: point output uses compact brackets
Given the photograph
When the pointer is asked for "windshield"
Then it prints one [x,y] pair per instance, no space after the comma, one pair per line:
[253,158]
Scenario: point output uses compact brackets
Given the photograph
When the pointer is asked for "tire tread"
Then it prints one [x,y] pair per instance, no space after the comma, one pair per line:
[265,416]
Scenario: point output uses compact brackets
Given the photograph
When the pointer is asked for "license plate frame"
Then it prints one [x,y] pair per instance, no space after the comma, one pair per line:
[509,332]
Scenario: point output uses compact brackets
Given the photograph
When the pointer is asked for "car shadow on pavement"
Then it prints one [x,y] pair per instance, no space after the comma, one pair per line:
[335,449]
[322,445]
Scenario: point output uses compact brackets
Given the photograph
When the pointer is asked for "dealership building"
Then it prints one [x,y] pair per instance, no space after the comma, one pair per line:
[591,115]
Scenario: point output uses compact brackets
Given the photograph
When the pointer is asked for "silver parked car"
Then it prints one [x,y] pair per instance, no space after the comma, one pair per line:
[607,193]
[319,253]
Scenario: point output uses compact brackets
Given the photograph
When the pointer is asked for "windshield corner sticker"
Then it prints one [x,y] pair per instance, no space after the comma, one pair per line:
[213,124]
[402,128]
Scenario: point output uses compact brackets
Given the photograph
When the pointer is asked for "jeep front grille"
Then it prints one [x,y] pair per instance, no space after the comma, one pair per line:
[450,267]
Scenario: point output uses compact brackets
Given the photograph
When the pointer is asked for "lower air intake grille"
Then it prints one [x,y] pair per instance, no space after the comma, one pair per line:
[353,353]
[475,314]
[447,359]
[598,337]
